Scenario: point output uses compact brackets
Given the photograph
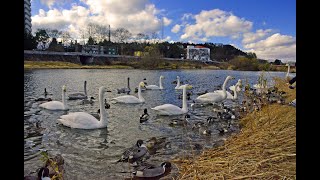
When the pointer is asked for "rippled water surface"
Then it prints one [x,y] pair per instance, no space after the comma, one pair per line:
[90,154]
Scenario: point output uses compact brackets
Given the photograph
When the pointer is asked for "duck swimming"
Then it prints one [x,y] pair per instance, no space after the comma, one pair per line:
[152,172]
[145,116]
[134,153]
[180,122]
[87,101]
[43,174]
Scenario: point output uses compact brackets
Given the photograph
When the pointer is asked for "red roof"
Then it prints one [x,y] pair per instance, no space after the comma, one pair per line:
[200,47]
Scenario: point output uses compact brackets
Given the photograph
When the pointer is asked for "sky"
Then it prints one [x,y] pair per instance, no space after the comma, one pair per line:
[265,27]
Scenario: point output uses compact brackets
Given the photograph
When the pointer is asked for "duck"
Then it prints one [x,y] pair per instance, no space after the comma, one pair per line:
[170,109]
[129,99]
[87,101]
[153,87]
[43,174]
[222,130]
[56,105]
[43,99]
[202,128]
[79,95]
[215,97]
[83,120]
[126,90]
[152,172]
[154,144]
[106,106]
[145,116]
[134,153]
[180,122]
[210,120]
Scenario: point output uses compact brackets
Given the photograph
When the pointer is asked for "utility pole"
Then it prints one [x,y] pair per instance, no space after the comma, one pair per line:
[109,32]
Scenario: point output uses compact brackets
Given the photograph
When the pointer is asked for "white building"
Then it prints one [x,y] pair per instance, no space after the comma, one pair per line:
[198,53]
[27,16]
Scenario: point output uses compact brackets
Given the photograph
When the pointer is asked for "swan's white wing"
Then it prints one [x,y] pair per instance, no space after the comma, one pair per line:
[216,96]
[77,95]
[168,109]
[127,99]
[80,120]
[152,87]
[53,105]
[229,95]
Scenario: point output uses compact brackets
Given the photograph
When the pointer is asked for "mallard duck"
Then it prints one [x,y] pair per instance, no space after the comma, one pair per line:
[155,144]
[145,116]
[153,171]
[43,174]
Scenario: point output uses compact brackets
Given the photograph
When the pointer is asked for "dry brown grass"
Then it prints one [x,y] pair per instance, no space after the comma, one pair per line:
[264,149]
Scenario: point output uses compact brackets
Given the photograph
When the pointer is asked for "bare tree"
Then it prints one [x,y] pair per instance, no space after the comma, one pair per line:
[53,33]
[154,36]
[141,36]
[66,37]
[121,35]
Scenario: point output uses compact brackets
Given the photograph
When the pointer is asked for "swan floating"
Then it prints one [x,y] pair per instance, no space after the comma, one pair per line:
[57,105]
[126,90]
[79,95]
[170,109]
[83,120]
[150,87]
[129,99]
[232,88]
[152,171]
[178,86]
[217,96]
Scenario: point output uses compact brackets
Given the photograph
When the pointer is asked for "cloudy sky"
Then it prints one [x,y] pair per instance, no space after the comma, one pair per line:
[266,27]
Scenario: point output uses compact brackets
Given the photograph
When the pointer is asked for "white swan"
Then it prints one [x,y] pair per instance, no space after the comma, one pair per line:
[232,88]
[129,99]
[216,96]
[79,95]
[178,83]
[238,88]
[288,76]
[155,86]
[170,109]
[83,120]
[57,105]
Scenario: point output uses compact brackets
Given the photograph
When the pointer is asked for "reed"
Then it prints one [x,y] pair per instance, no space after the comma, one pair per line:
[265,148]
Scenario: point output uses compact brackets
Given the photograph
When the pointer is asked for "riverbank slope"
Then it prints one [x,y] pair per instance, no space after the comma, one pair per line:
[264,149]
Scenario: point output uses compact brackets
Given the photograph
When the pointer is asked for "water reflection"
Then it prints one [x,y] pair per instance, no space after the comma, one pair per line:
[92,153]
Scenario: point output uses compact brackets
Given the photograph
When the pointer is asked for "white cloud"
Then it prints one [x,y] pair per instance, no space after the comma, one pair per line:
[276,46]
[166,21]
[186,16]
[48,3]
[258,35]
[216,23]
[176,28]
[138,16]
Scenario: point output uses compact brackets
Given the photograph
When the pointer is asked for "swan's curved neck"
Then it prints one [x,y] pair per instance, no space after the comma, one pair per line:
[160,83]
[224,85]
[288,70]
[128,83]
[178,82]
[64,99]
[184,99]
[103,112]
[235,96]
[85,88]
[139,93]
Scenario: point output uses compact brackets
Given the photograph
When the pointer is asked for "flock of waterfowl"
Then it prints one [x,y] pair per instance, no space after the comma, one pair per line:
[137,154]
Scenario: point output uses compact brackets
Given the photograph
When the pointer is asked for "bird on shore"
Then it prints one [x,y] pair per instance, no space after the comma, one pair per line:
[43,174]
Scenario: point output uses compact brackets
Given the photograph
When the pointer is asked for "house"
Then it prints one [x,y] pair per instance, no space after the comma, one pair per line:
[199,53]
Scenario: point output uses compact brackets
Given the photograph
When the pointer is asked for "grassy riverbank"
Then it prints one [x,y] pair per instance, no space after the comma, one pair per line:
[264,149]
[113,65]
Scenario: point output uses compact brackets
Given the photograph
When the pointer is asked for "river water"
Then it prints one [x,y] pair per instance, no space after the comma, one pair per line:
[90,154]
